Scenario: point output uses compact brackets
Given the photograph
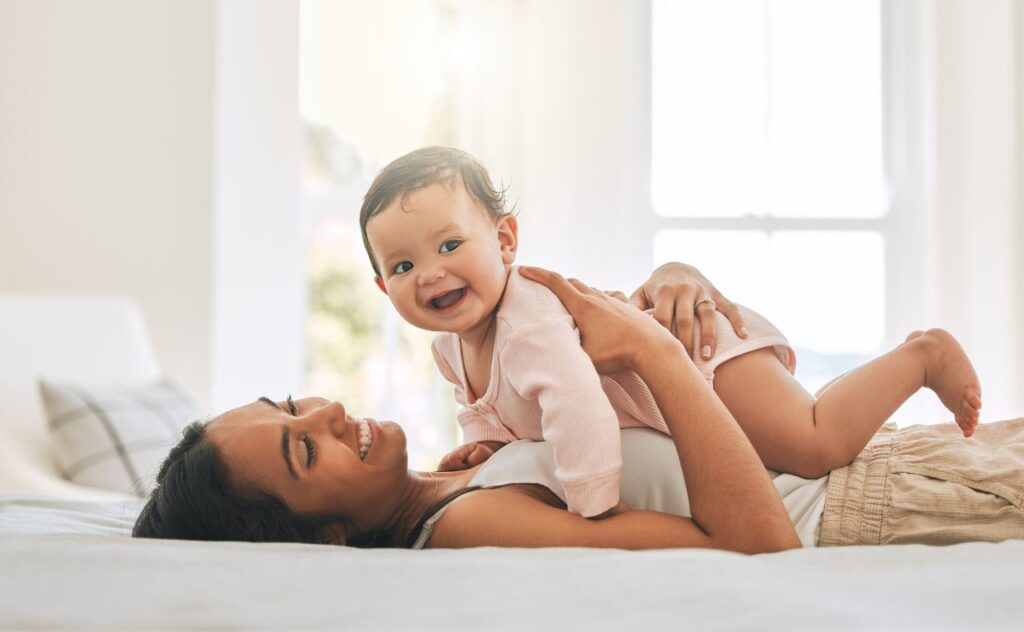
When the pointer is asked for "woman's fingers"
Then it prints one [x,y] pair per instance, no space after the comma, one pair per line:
[640,300]
[706,314]
[609,329]
[731,312]
[567,291]
[673,309]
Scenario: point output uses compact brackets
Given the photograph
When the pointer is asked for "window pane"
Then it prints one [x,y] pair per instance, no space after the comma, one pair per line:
[824,290]
[767,107]
[374,83]
[708,103]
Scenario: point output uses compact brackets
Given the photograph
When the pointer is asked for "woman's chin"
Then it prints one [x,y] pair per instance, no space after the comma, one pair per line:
[393,433]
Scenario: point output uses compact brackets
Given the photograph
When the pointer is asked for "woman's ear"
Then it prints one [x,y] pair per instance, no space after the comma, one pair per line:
[336,534]
[380,283]
[508,237]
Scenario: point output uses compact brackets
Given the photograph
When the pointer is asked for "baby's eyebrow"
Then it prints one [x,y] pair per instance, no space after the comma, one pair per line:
[447,229]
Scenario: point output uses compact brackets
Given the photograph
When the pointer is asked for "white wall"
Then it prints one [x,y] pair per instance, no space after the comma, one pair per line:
[257,263]
[106,138]
[968,202]
[150,148]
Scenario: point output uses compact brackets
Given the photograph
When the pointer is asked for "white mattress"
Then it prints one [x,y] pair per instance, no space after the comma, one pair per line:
[68,564]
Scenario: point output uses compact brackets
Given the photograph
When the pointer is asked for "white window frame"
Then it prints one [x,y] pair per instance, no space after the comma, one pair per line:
[899,226]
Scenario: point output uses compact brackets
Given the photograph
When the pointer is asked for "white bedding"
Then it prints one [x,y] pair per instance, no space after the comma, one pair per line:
[69,565]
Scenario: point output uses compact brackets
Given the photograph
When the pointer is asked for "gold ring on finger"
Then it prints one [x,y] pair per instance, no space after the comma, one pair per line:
[706,299]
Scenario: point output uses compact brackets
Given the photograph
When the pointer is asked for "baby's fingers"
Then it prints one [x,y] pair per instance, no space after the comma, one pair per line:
[478,455]
[453,461]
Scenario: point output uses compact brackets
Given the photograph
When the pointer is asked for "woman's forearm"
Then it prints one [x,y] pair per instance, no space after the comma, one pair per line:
[731,497]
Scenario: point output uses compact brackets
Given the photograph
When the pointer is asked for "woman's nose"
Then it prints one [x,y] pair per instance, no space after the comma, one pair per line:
[330,417]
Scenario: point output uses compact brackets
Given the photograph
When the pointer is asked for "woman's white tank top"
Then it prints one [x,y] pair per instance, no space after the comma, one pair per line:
[651,480]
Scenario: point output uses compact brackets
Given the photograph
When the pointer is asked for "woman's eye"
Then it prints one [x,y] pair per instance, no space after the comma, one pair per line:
[450,245]
[402,268]
[310,451]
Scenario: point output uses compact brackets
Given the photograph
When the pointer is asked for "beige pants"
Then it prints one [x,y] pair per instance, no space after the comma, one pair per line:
[929,485]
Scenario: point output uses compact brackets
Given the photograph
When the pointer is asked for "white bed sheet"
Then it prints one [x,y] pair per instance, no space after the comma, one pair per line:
[68,565]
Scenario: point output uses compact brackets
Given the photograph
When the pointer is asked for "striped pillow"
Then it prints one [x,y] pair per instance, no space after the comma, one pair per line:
[114,437]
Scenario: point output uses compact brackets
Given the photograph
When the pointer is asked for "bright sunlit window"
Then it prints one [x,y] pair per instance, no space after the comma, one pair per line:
[375,83]
[767,164]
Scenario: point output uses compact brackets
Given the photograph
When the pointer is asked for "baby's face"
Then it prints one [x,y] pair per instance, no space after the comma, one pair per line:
[443,260]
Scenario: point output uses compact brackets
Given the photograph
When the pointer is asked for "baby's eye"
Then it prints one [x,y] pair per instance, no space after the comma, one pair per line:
[402,268]
[450,245]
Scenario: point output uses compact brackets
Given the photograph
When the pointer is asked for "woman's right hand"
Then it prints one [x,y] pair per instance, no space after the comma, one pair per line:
[613,333]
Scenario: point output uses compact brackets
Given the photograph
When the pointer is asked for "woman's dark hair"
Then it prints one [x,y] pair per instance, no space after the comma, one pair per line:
[422,168]
[193,500]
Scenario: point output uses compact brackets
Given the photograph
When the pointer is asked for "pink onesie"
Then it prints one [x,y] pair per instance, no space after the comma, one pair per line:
[544,387]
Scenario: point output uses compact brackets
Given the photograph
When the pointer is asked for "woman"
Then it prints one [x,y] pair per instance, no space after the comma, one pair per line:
[306,471]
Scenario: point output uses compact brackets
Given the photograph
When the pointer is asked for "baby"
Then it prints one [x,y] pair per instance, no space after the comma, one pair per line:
[442,246]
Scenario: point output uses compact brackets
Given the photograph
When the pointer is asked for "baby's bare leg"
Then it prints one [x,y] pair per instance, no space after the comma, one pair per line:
[793,432]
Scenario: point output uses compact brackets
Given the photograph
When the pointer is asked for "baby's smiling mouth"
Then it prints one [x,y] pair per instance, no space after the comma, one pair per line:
[448,298]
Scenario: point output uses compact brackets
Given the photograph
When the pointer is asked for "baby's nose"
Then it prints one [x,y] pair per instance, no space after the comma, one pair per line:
[431,275]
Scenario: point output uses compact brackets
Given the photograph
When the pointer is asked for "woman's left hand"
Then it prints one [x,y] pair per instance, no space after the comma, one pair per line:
[612,332]
[678,293]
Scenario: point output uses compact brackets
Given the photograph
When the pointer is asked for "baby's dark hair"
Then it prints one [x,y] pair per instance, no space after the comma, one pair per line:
[422,168]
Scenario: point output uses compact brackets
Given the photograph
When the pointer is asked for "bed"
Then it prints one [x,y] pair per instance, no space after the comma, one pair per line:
[66,560]
[69,564]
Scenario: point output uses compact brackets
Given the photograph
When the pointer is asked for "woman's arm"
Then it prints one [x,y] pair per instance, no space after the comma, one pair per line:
[673,293]
[732,500]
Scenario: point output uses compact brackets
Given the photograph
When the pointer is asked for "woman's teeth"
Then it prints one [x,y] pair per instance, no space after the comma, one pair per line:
[365,439]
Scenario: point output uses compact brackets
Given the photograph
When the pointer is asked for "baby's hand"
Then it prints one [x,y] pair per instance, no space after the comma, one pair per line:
[465,457]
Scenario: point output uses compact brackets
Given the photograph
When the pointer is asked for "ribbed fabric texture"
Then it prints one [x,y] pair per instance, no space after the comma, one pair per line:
[543,386]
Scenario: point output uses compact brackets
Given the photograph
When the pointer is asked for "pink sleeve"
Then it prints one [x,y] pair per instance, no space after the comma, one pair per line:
[545,363]
[475,427]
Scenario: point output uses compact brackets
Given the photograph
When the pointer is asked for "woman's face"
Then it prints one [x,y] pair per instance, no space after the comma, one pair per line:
[313,456]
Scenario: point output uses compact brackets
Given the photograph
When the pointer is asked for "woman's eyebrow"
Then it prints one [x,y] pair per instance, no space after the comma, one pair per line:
[286,435]
[269,402]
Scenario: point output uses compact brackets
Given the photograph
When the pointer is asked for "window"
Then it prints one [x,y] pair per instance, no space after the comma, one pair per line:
[767,164]
[359,116]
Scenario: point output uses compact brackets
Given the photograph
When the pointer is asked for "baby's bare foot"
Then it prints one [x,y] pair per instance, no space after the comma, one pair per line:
[949,372]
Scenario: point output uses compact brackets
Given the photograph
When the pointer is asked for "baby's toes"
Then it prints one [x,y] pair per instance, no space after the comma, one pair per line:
[962,422]
[968,419]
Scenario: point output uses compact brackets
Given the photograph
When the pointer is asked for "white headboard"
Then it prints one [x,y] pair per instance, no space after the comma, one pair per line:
[85,338]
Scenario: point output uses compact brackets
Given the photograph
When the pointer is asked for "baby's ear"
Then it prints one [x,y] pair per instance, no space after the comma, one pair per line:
[508,237]
[380,283]
[335,533]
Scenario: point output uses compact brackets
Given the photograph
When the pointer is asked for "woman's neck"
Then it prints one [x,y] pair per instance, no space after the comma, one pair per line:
[425,489]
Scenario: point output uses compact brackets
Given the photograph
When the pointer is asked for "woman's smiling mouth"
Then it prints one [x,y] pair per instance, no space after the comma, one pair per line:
[366,438]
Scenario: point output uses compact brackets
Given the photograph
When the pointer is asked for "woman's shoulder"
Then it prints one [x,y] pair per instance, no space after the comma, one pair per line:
[514,516]
[477,518]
